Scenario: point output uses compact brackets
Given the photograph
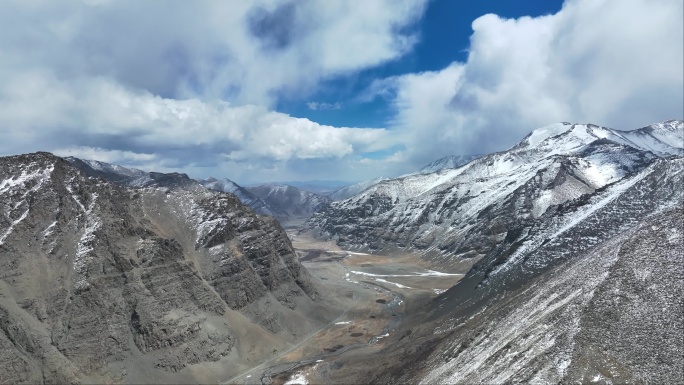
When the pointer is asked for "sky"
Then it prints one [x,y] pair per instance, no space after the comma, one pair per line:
[283,90]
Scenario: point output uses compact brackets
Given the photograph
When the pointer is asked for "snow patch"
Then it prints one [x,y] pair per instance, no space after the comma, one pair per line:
[297,379]
[392,283]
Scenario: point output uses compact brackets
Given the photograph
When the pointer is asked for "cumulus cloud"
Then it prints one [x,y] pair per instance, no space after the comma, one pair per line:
[248,52]
[190,85]
[121,125]
[609,63]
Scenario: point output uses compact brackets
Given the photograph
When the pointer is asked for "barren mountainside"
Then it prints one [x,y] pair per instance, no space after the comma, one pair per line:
[103,283]
[611,314]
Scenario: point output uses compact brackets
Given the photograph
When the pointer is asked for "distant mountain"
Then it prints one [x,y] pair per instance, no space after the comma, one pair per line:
[321,187]
[257,204]
[290,202]
[285,203]
[130,177]
[451,161]
[349,191]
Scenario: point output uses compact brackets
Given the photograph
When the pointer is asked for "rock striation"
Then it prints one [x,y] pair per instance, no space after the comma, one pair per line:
[104,283]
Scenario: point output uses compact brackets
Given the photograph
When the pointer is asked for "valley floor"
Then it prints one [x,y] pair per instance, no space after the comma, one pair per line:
[376,295]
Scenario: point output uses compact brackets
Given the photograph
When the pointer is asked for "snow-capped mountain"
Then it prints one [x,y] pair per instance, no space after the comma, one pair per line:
[585,289]
[131,177]
[246,197]
[107,284]
[291,203]
[451,161]
[351,190]
[467,211]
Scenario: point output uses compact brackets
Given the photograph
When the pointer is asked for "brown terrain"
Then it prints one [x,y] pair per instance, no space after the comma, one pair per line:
[376,296]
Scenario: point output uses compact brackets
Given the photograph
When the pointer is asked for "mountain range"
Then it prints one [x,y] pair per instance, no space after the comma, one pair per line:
[283,202]
[570,246]
[458,215]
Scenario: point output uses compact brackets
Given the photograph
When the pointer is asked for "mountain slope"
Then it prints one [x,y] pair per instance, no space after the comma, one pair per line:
[610,314]
[451,161]
[351,190]
[291,203]
[106,284]
[455,216]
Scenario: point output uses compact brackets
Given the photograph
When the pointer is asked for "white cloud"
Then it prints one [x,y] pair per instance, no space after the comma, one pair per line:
[187,85]
[248,52]
[102,114]
[191,86]
[612,63]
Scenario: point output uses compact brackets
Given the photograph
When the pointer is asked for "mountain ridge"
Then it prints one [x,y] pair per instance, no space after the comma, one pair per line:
[436,212]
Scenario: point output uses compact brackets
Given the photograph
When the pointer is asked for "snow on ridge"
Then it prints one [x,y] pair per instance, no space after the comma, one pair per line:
[7,186]
[355,189]
[40,174]
[86,243]
[540,134]
[11,226]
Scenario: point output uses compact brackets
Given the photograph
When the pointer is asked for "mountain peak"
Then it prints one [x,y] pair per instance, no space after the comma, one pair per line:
[541,134]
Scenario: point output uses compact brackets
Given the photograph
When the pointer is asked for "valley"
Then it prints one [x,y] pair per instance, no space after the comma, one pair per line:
[378,294]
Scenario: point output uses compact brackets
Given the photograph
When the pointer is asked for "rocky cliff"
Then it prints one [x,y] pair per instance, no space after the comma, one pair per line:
[102,283]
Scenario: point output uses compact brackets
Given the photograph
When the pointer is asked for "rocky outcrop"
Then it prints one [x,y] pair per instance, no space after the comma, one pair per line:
[100,281]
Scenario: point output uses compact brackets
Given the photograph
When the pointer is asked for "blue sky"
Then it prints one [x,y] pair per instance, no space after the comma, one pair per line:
[278,90]
[444,35]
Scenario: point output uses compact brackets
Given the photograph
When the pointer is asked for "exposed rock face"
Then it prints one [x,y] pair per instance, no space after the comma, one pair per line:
[99,280]
[456,216]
